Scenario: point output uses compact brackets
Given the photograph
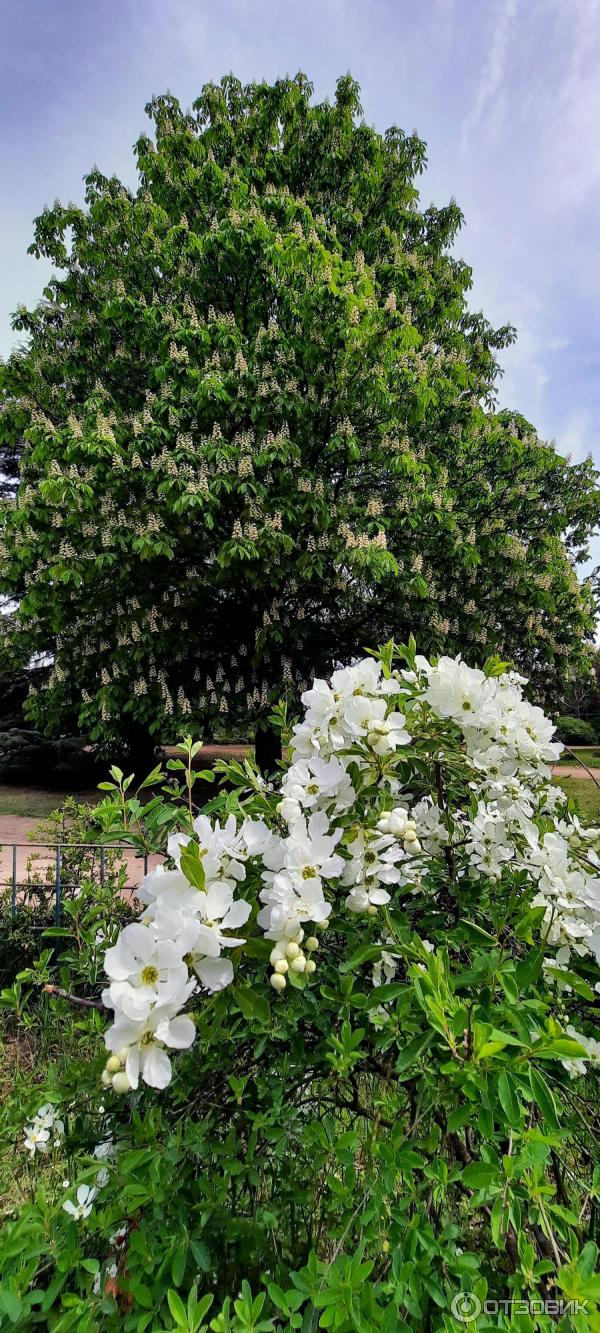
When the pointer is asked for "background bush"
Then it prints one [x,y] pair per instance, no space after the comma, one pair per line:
[576,731]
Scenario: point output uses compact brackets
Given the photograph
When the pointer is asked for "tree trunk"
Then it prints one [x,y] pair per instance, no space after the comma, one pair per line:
[138,751]
[267,748]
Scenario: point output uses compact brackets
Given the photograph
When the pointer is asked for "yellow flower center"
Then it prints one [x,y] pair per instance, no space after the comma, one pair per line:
[150,976]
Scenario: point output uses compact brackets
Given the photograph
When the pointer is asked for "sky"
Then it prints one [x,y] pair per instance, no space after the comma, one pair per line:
[505,92]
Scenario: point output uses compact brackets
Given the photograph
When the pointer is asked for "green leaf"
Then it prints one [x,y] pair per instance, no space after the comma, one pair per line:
[191,866]
[177,1309]
[497,1222]
[543,1097]
[571,979]
[560,1048]
[409,1160]
[178,1262]
[252,1004]
[478,1175]
[410,1053]
[528,969]
[476,933]
[368,953]
[201,1254]
[588,1259]
[509,1100]
[383,994]
[11,1303]
[459,1117]
[258,948]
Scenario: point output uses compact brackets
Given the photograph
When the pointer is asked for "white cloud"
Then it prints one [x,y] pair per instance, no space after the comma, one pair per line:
[492,74]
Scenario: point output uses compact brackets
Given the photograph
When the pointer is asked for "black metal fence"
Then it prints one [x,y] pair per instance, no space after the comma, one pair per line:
[23,886]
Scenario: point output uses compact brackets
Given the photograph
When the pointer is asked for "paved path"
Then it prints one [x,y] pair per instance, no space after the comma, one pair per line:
[29,857]
[576,771]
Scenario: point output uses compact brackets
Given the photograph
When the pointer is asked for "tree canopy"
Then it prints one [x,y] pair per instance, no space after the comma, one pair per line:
[257,429]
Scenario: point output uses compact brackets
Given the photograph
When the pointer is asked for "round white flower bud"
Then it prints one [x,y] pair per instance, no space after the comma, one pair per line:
[311,966]
[372,910]
[281,965]
[278,982]
[106,1079]
[312,943]
[410,835]
[113,1064]
[121,1082]
[293,949]
[298,964]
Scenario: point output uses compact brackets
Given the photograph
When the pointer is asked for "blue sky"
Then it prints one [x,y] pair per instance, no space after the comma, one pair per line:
[506,93]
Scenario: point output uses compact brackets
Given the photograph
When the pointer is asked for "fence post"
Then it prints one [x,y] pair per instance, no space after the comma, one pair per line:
[13,908]
[102,863]
[58,886]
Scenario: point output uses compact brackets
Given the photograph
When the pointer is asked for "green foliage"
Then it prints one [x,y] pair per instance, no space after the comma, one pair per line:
[90,888]
[576,731]
[318,1163]
[257,429]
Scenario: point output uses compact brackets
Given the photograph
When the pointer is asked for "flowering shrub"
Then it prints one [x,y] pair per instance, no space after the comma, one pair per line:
[371,986]
[427,786]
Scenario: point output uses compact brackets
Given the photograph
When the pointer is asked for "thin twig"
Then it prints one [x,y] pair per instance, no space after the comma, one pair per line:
[73,999]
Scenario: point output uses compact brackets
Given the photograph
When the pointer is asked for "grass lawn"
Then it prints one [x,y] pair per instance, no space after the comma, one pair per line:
[587,795]
[35,803]
[590,757]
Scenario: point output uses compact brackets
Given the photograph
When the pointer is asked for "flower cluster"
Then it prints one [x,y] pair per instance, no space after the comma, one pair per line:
[46,1130]
[400,782]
